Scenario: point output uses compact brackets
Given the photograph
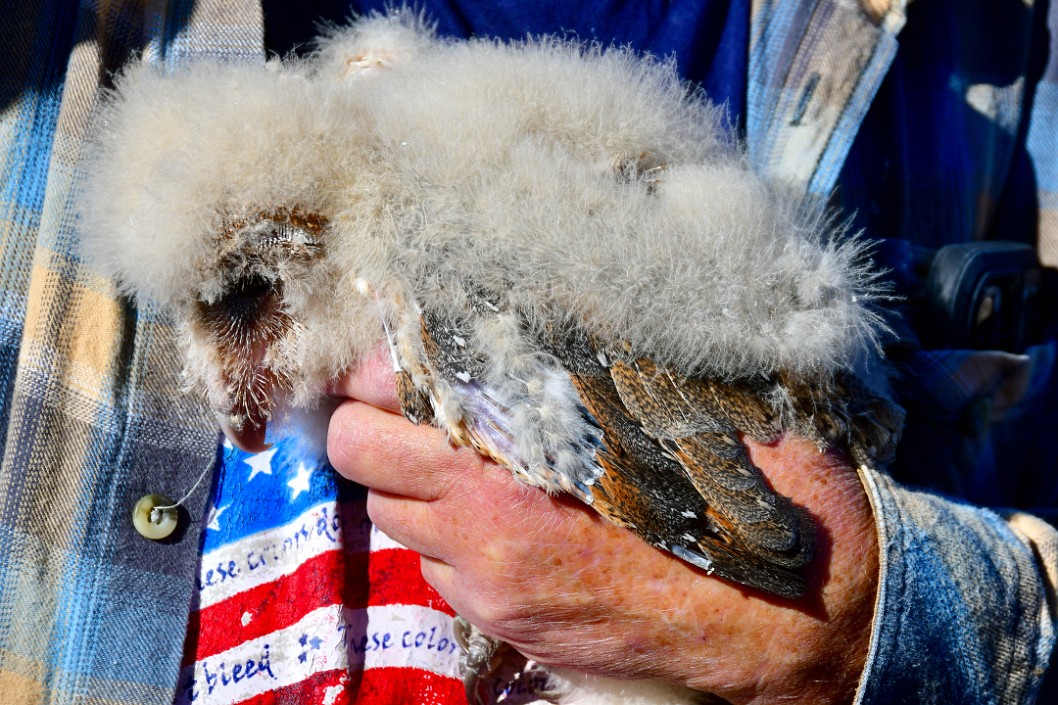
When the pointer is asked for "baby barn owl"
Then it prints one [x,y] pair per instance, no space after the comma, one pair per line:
[575,271]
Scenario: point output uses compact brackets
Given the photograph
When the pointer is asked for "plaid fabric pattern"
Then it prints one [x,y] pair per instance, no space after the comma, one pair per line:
[94,416]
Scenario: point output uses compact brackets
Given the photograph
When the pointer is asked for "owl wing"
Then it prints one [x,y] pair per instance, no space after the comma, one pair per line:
[666,458]
[676,473]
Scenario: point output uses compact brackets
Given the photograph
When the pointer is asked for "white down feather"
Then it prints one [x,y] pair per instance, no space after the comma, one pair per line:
[485,163]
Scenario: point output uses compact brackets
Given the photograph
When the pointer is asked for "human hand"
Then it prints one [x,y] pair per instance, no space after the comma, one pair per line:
[564,587]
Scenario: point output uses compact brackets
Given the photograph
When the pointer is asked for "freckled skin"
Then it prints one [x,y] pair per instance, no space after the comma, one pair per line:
[567,588]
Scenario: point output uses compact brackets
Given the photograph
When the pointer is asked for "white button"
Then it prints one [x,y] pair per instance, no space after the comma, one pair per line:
[152,522]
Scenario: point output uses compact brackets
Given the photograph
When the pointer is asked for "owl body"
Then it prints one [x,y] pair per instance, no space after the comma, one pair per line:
[572,265]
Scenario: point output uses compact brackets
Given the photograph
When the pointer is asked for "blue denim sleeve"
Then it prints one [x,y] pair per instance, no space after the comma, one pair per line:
[964,612]
[966,605]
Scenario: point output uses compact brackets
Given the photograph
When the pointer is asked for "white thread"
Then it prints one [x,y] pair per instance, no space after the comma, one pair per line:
[156,512]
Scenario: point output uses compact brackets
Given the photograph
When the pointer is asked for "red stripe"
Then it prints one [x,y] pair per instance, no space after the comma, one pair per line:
[384,577]
[408,686]
[311,690]
[395,578]
[375,686]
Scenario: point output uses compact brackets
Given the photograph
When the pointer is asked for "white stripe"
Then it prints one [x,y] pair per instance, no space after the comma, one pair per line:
[268,555]
[330,638]
[271,554]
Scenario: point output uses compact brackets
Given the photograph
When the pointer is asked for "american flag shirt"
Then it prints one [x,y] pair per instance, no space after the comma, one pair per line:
[300,599]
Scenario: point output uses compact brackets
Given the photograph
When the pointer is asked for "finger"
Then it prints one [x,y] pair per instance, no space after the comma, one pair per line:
[435,529]
[372,381]
[443,578]
[386,452]
[462,596]
[451,584]
[468,597]
[409,522]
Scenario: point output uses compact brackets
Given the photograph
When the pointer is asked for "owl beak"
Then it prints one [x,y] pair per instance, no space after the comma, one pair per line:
[247,436]
[240,331]
[242,400]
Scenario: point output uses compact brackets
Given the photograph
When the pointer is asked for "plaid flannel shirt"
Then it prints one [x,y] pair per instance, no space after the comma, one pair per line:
[94,418]
[89,387]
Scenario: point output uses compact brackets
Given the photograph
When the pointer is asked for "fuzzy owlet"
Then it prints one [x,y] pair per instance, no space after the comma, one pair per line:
[575,270]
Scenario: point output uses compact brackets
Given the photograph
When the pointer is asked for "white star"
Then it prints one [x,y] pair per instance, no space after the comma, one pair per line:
[227,444]
[260,463]
[213,522]
[300,483]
